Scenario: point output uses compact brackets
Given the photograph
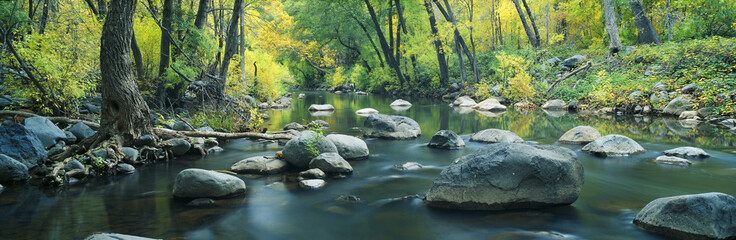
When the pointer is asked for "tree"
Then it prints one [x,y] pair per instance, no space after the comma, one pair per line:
[444,75]
[610,14]
[165,38]
[387,53]
[231,47]
[646,32]
[529,32]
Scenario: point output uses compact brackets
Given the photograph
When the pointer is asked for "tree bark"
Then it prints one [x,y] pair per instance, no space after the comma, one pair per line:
[610,14]
[646,32]
[460,45]
[231,46]
[531,19]
[101,9]
[44,17]
[242,48]
[370,38]
[390,20]
[137,56]
[165,39]
[527,29]
[201,17]
[125,115]
[384,45]
[402,23]
[444,75]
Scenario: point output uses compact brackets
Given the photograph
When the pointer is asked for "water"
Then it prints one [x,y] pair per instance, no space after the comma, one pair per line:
[274,208]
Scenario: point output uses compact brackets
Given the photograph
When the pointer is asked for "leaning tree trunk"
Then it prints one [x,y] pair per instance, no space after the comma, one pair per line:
[163,63]
[527,29]
[646,32]
[387,53]
[125,116]
[137,56]
[531,19]
[444,75]
[610,14]
[202,14]
[231,46]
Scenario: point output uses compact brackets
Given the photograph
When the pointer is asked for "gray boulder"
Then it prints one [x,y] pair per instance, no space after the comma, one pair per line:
[634,96]
[400,103]
[318,124]
[331,163]
[312,183]
[81,131]
[301,149]
[573,61]
[687,152]
[490,104]
[205,129]
[260,165]
[131,153]
[408,166]
[179,147]
[690,88]
[366,111]
[321,107]
[555,104]
[553,61]
[314,173]
[580,135]
[11,170]
[19,143]
[294,126]
[45,130]
[659,86]
[391,127]
[73,165]
[446,139]
[509,176]
[669,160]
[70,138]
[124,168]
[181,126]
[200,183]
[349,147]
[697,216]
[493,135]
[614,145]
[678,105]
[464,101]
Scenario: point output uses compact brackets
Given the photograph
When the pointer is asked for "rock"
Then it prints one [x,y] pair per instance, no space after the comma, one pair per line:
[215,149]
[697,216]
[731,123]
[45,130]
[454,87]
[100,153]
[81,131]
[179,146]
[689,115]
[210,143]
[318,124]
[614,145]
[573,61]
[629,49]
[464,101]
[349,147]
[124,168]
[659,87]
[201,202]
[58,148]
[263,106]
[12,170]
[312,183]
[490,104]
[689,89]
[114,236]
[646,109]
[639,59]
[553,61]
[205,129]
[73,165]
[294,126]
[446,139]
[145,140]
[564,69]
[301,95]
[181,126]
[131,153]
[687,152]
[91,108]
[321,107]
[509,176]
[662,96]
[573,105]
[492,135]
[400,103]
[554,104]
[70,138]
[391,127]
[314,173]
[331,162]
[5,102]
[580,135]
[260,165]
[366,111]
[672,160]
[301,149]
[200,183]
[409,166]
[678,105]
[634,96]
[653,70]
[22,145]
[1,188]
[524,105]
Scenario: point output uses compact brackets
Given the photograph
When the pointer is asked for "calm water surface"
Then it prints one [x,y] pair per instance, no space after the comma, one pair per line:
[274,208]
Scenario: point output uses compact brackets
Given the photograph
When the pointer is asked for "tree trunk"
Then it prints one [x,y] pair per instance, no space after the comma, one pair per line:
[402,23]
[44,17]
[101,9]
[370,38]
[669,22]
[390,26]
[163,63]
[138,56]
[201,18]
[444,75]
[124,113]
[460,45]
[242,48]
[646,32]
[527,29]
[610,15]
[531,19]
[231,46]
[384,45]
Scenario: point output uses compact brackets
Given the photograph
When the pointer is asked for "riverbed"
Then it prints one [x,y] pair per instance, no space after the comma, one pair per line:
[390,205]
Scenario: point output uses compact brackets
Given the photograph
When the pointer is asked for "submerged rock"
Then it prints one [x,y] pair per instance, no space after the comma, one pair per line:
[331,163]
[672,160]
[687,152]
[509,176]
[408,166]
[259,165]
[301,149]
[349,147]
[446,139]
[580,135]
[496,136]
[391,127]
[697,216]
[200,183]
[45,130]
[19,143]
[614,145]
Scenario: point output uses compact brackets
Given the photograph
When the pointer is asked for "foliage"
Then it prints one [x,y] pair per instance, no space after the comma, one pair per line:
[513,69]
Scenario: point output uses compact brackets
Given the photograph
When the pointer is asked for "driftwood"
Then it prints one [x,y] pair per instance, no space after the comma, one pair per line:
[64,120]
[567,75]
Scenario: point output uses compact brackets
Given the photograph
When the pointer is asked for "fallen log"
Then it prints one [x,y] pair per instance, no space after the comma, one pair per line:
[65,120]
[570,74]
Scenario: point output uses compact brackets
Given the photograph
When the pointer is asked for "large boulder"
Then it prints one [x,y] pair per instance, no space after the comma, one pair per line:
[19,143]
[580,135]
[331,163]
[81,131]
[260,165]
[11,170]
[464,101]
[349,147]
[493,135]
[490,104]
[573,61]
[554,105]
[687,152]
[181,126]
[509,176]
[294,126]
[678,105]
[400,103]
[45,130]
[179,147]
[321,107]
[446,139]
[391,127]
[301,149]
[614,145]
[697,216]
[200,183]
